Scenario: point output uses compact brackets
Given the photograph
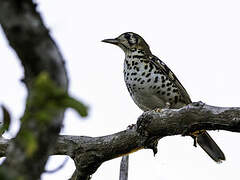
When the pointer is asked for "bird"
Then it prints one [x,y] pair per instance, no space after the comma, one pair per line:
[152,85]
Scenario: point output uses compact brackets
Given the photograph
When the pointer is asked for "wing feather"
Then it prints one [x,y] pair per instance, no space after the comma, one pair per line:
[161,65]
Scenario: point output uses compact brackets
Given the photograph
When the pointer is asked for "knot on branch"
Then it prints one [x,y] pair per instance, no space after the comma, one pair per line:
[142,123]
[151,141]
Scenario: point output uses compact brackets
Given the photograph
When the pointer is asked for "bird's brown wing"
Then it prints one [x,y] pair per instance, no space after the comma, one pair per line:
[202,138]
[161,65]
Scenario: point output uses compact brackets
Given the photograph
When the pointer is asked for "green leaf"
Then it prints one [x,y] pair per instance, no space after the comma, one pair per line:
[76,105]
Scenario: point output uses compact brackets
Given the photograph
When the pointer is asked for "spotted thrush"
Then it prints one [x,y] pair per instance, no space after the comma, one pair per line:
[152,85]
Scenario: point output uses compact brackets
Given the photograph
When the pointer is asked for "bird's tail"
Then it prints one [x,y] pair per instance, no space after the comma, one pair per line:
[210,147]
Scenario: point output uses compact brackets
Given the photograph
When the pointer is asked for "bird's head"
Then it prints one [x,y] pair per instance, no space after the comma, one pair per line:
[129,41]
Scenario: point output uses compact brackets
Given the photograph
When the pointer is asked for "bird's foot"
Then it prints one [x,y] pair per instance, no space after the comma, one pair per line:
[199,103]
[197,133]
[167,105]
[158,110]
[194,135]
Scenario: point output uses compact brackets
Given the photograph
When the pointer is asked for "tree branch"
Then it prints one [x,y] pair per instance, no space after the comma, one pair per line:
[124,168]
[46,81]
[89,153]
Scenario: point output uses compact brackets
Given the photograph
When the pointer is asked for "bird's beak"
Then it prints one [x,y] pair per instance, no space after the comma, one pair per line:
[111,41]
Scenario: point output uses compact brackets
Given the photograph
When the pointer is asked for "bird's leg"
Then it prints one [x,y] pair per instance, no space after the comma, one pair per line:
[198,132]
[157,110]
[195,134]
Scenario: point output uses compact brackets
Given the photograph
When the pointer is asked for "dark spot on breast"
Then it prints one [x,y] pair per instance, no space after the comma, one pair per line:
[138,56]
[149,80]
[169,89]
[146,66]
[134,74]
[135,79]
[156,79]
[154,87]
[163,85]
[137,68]
[140,51]
[158,92]
[168,94]
[143,73]
[148,75]
[139,79]
[142,82]
[175,90]
[163,92]
[169,83]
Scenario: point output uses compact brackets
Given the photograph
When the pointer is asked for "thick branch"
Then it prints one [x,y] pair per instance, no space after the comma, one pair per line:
[29,37]
[193,117]
[42,120]
[89,152]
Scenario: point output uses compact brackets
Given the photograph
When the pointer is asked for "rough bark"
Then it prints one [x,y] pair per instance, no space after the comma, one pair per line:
[38,53]
[89,153]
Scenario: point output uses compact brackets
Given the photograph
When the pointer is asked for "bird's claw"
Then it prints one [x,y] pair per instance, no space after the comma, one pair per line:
[199,103]
[158,110]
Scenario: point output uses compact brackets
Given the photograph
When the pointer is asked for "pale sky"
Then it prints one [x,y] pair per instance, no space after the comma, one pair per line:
[198,40]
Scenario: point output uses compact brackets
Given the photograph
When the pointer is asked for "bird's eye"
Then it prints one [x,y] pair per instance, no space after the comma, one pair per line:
[127,36]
